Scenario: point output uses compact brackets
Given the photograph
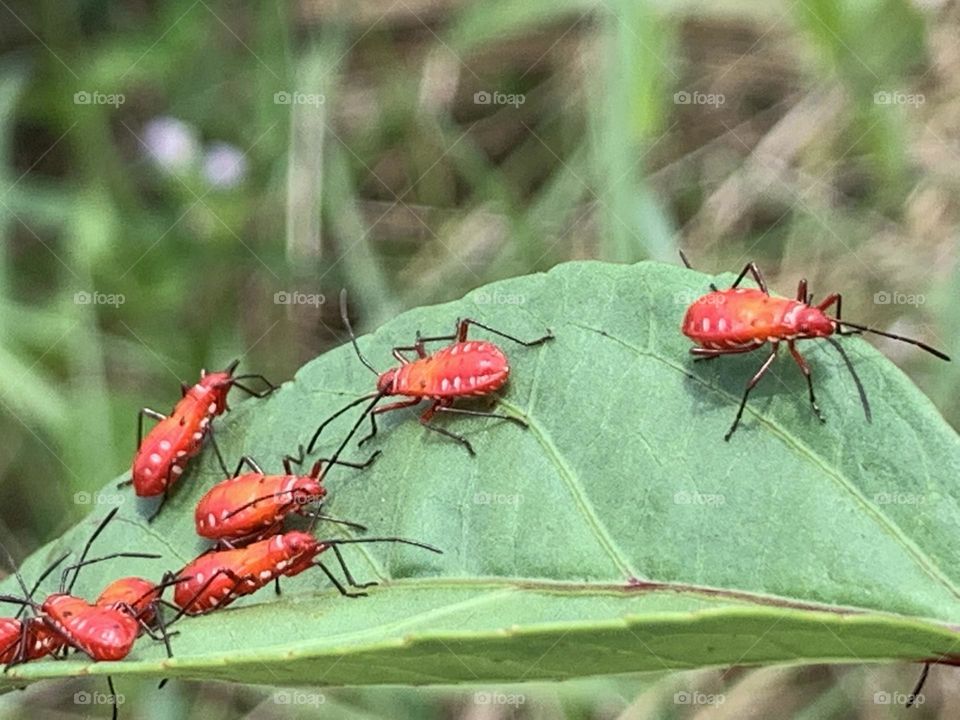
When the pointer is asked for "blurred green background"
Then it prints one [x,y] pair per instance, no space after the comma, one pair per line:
[189,181]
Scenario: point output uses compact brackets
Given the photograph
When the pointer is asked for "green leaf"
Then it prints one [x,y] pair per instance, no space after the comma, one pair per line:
[795,542]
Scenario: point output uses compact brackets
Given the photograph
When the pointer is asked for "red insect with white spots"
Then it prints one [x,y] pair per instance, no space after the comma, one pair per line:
[739,320]
[254,504]
[163,454]
[40,641]
[466,368]
[217,578]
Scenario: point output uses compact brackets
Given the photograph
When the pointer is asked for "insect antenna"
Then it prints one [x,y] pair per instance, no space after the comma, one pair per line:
[686,262]
[353,338]
[93,561]
[402,541]
[856,378]
[892,336]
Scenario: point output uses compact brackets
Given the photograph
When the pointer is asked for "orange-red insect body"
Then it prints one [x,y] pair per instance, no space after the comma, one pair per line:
[742,319]
[134,595]
[165,451]
[40,642]
[739,320]
[102,633]
[465,368]
[217,578]
[253,503]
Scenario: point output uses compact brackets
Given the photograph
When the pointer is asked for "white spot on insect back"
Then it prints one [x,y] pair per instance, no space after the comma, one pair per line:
[164,445]
[212,409]
[211,520]
[444,385]
[265,574]
[705,324]
[457,382]
[176,470]
[468,347]
[722,324]
[198,436]
[155,458]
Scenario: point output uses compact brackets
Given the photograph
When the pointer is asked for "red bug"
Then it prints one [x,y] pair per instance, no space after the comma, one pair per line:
[740,320]
[217,578]
[254,504]
[464,368]
[163,454]
[103,633]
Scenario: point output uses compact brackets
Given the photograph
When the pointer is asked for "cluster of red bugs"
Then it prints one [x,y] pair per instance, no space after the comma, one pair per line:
[244,514]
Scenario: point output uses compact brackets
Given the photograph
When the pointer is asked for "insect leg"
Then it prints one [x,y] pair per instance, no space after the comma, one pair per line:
[251,463]
[337,584]
[386,408]
[805,369]
[466,322]
[802,295]
[482,413]
[425,421]
[149,413]
[750,385]
[113,698]
[216,449]
[912,697]
[346,571]
[230,574]
[751,267]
